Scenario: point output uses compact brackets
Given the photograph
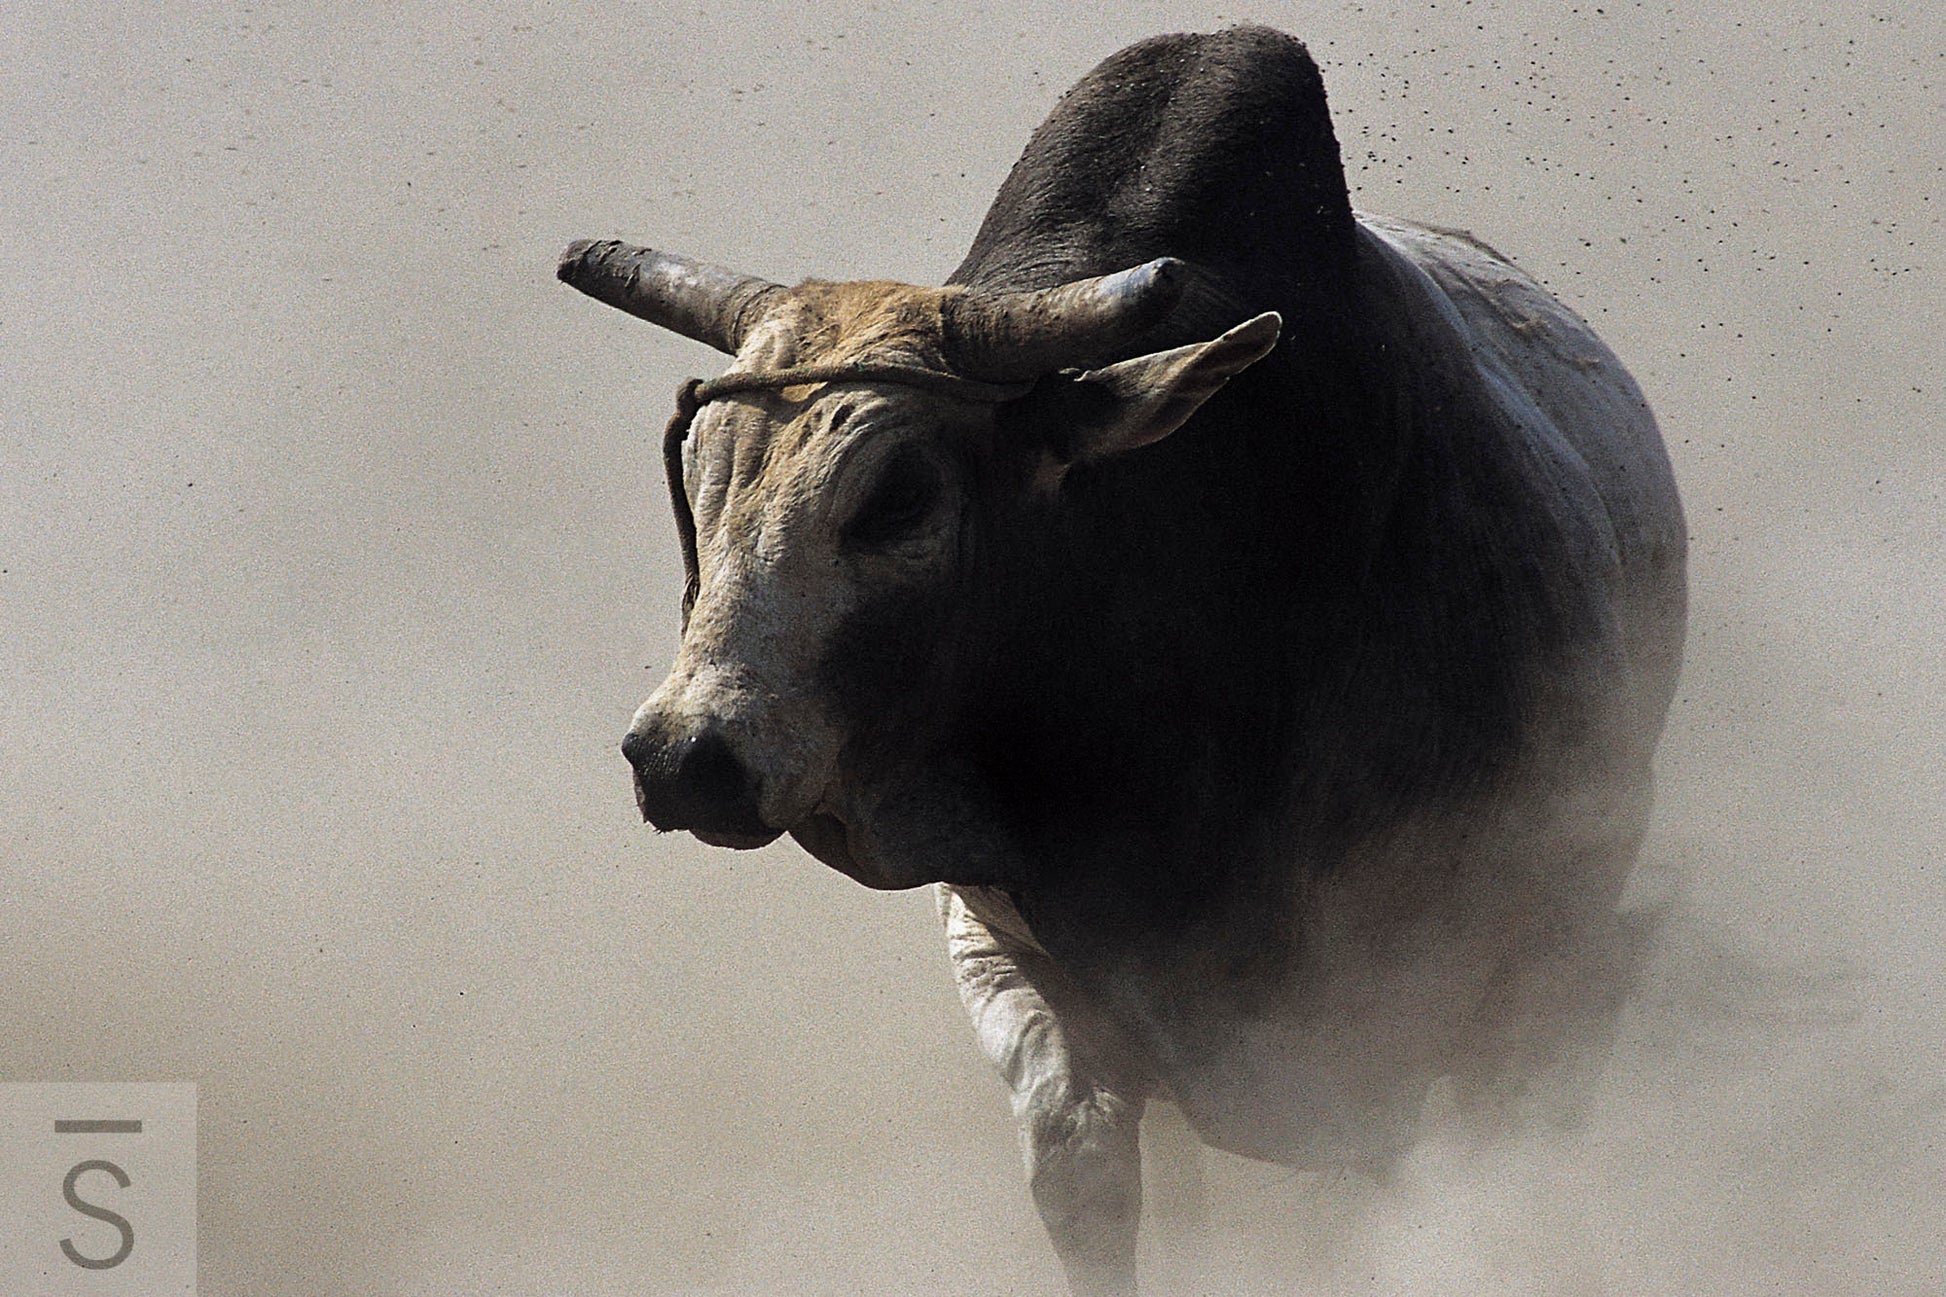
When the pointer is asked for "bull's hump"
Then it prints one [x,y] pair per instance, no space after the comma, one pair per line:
[1217,148]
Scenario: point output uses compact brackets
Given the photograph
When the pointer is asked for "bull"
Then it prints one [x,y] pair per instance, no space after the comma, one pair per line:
[1257,617]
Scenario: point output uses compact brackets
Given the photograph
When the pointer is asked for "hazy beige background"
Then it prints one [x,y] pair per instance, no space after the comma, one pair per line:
[333,562]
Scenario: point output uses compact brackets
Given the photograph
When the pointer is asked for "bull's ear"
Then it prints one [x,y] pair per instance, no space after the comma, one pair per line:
[1139,401]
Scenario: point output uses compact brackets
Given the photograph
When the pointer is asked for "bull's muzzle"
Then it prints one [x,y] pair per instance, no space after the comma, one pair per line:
[696,783]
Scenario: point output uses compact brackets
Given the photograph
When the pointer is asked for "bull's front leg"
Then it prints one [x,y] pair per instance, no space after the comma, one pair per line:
[1077,1093]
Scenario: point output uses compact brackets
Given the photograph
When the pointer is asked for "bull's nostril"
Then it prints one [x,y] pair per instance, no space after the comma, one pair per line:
[639,749]
[707,766]
[696,783]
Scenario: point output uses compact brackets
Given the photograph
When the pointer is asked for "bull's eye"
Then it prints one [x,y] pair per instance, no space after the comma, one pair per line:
[900,502]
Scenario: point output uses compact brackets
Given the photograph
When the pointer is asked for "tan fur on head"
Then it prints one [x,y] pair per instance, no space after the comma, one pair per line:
[880,320]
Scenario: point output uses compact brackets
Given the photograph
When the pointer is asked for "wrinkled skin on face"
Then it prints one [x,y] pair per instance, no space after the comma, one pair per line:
[841,530]
[814,505]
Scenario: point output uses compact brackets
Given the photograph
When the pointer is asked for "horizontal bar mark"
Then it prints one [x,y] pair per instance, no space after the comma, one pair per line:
[110,1127]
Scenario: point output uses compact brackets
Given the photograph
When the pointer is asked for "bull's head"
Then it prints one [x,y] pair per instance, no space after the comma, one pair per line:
[834,489]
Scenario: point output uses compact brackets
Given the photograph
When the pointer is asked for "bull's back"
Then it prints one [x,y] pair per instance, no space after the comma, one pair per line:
[1522,332]
[1574,404]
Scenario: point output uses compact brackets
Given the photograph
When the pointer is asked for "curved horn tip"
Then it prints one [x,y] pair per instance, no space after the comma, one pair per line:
[1157,285]
[1164,275]
[571,259]
[576,256]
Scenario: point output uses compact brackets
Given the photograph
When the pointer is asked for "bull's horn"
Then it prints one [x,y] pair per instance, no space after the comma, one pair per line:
[1011,337]
[693,298]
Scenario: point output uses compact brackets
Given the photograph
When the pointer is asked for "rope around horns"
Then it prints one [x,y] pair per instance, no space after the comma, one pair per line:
[696,393]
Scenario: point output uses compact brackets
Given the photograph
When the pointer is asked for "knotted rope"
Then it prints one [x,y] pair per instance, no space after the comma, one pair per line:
[696,393]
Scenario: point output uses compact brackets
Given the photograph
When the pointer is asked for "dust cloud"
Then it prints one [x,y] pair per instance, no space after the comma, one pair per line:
[333,562]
